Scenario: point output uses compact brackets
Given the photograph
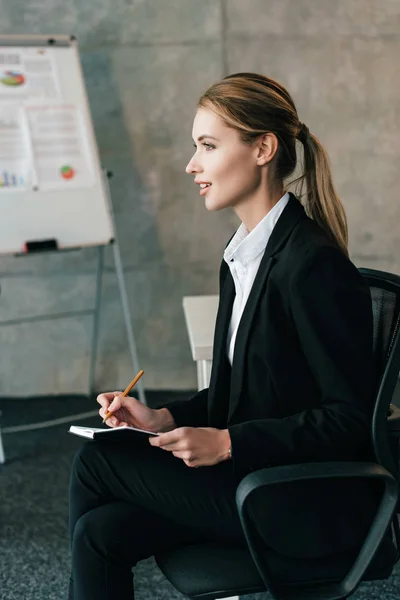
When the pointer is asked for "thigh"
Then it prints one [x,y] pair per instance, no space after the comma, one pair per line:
[126,533]
[142,475]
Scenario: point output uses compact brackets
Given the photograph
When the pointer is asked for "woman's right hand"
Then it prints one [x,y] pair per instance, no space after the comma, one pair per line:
[129,411]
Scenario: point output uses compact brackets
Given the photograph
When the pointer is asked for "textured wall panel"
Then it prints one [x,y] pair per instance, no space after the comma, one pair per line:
[314,17]
[115,22]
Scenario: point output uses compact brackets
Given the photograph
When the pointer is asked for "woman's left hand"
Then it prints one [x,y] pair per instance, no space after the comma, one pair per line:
[196,446]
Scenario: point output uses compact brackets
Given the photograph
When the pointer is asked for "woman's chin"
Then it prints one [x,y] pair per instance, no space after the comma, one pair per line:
[212,204]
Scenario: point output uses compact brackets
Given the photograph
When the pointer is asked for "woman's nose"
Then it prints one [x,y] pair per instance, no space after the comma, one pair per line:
[192,167]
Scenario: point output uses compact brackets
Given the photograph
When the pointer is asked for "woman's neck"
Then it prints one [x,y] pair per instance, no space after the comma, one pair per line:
[254,209]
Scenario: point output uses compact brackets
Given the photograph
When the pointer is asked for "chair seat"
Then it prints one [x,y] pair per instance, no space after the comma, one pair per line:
[213,570]
[203,569]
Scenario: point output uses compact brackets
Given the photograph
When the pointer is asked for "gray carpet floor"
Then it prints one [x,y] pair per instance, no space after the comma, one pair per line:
[34,553]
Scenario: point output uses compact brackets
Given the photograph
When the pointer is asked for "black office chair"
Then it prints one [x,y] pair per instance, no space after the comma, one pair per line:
[212,570]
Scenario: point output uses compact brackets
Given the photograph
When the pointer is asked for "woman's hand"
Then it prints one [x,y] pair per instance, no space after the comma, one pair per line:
[196,446]
[129,411]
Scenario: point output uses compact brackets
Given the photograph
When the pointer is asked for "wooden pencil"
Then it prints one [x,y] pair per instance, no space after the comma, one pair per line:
[126,391]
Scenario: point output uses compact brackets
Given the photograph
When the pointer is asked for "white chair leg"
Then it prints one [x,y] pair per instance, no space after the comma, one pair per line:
[203,373]
[2,457]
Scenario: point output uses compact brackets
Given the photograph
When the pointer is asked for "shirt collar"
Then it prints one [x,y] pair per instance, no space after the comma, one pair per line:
[245,246]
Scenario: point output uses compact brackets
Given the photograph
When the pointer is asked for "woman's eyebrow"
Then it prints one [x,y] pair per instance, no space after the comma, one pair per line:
[205,136]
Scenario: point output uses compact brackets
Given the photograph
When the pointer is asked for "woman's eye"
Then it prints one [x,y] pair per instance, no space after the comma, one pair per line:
[206,145]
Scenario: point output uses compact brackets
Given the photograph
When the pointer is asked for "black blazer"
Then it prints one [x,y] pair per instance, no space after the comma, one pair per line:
[301,385]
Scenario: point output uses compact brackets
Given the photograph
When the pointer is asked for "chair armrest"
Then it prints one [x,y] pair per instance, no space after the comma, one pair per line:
[313,471]
[308,471]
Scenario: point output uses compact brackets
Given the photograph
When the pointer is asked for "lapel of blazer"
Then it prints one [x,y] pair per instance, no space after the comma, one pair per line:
[291,214]
[227,295]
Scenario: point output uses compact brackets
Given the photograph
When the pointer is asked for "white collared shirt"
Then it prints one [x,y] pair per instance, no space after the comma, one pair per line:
[243,256]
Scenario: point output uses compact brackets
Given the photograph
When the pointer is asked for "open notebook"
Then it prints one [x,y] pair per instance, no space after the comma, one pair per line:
[95,432]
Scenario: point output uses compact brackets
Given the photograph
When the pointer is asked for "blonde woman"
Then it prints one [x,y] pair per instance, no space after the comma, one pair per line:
[292,374]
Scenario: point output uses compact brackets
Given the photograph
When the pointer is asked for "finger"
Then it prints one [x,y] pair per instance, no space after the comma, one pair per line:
[116,404]
[106,397]
[151,441]
[104,403]
[108,422]
[113,422]
[171,437]
[127,400]
[184,455]
[178,447]
[103,412]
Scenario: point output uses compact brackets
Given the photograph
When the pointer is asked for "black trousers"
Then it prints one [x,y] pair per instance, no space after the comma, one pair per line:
[130,501]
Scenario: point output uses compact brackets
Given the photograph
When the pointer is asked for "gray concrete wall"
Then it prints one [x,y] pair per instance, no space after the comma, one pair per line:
[145,64]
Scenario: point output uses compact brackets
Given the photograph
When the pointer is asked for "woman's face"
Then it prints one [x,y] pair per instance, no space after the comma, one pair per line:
[222,161]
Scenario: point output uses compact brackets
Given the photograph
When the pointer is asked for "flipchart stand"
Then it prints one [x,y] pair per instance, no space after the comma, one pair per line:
[96,313]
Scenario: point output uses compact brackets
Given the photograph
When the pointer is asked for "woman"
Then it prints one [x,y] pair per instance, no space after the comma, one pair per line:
[292,374]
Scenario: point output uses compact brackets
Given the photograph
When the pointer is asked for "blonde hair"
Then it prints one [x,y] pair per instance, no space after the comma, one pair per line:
[254,105]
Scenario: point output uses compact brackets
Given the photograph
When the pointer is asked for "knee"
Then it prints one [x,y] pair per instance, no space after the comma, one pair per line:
[82,538]
[91,535]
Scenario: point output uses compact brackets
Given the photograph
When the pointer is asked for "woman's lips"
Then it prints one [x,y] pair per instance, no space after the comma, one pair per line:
[203,190]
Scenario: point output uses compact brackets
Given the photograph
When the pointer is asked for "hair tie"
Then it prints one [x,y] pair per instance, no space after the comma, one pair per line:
[303,133]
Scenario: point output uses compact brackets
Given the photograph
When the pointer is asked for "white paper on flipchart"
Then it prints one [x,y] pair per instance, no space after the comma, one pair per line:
[16,173]
[28,74]
[60,147]
[71,210]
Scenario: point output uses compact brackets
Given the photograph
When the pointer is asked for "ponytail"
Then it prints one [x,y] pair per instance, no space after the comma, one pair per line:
[321,201]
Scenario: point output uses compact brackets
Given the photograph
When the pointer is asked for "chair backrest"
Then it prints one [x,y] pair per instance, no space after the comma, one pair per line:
[385,295]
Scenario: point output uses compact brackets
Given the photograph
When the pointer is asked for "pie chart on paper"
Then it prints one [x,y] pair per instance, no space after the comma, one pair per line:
[67,172]
[12,78]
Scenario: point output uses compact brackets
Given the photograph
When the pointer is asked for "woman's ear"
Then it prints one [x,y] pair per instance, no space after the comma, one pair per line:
[267,147]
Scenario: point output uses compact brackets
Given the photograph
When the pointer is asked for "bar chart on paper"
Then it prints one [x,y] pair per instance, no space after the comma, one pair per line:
[11,180]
